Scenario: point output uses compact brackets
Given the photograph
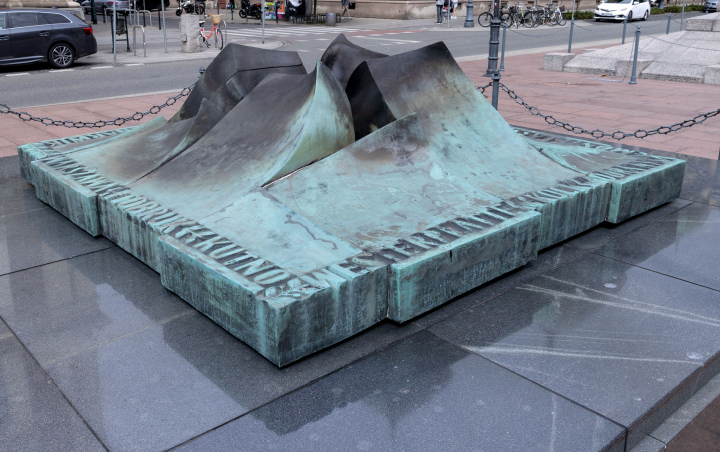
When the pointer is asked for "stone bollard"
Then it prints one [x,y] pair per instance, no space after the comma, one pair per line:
[190,41]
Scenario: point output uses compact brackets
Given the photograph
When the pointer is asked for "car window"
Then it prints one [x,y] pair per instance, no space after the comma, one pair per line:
[51,18]
[2,21]
[23,19]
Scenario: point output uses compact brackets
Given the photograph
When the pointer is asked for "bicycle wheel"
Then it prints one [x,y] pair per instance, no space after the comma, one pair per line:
[203,38]
[528,20]
[484,19]
[537,19]
[505,17]
[199,9]
[219,36]
[561,19]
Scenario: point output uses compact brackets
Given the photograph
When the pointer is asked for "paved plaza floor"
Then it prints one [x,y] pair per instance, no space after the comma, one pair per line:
[599,344]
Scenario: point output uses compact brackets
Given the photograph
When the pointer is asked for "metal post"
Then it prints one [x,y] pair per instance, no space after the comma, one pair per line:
[114,31]
[469,20]
[572,26]
[624,27]
[635,57]
[494,40]
[162,7]
[682,18]
[276,12]
[263,20]
[93,14]
[502,54]
[496,88]
[668,27]
[448,14]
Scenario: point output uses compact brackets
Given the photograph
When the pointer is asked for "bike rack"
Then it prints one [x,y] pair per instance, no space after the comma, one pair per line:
[143,12]
[135,27]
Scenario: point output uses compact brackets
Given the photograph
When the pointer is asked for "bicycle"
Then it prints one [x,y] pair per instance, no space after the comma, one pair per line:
[216,18]
[485,18]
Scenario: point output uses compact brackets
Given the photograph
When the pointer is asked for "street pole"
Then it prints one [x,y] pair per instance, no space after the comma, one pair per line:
[624,27]
[682,18]
[637,46]
[263,20]
[502,54]
[469,20]
[572,26]
[496,88]
[114,31]
[162,8]
[494,40]
[668,27]
[93,14]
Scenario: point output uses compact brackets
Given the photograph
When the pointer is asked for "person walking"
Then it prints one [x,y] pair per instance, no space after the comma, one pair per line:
[439,4]
[345,5]
[453,6]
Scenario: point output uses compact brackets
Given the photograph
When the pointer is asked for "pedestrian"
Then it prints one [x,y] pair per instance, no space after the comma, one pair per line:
[453,5]
[345,5]
[439,4]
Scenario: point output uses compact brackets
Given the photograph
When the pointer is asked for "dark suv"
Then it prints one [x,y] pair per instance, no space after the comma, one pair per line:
[35,35]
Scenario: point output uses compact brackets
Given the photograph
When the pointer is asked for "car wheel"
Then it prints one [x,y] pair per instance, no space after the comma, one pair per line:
[597,20]
[629,16]
[61,55]
[647,14]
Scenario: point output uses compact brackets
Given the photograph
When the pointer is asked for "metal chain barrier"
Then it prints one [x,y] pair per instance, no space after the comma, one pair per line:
[597,133]
[4,109]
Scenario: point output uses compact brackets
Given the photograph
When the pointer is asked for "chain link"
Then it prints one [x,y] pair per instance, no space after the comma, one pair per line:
[597,133]
[137,116]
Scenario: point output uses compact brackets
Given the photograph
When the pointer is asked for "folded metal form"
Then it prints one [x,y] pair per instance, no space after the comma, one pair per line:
[296,210]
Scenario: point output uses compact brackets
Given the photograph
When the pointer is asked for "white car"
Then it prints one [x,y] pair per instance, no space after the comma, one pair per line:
[619,9]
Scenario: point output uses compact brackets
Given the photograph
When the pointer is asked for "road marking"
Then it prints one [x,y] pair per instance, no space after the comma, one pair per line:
[404,41]
[290,31]
[15,75]
[61,70]
[300,50]
[135,64]
[322,39]
[100,67]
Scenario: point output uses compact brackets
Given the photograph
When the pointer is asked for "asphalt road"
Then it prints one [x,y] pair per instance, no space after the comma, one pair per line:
[24,86]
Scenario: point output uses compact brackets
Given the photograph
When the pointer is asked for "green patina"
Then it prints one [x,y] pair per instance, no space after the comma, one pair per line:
[297,236]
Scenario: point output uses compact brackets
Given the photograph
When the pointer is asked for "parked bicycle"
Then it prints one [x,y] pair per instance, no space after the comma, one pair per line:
[215,30]
[485,18]
[189,7]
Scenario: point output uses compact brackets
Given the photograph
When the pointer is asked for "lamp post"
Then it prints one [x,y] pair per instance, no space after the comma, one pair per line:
[469,20]
[494,40]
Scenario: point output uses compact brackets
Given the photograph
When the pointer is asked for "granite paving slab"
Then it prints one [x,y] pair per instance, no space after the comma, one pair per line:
[628,343]
[177,379]
[423,394]
[546,260]
[42,236]
[607,232]
[34,415]
[684,244]
[84,302]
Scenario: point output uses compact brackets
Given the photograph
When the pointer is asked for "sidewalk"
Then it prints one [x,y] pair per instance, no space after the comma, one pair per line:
[596,102]
[589,101]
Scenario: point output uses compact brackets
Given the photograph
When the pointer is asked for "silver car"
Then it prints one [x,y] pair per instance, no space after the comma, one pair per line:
[710,6]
